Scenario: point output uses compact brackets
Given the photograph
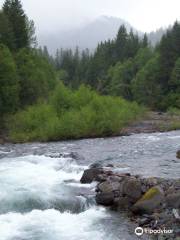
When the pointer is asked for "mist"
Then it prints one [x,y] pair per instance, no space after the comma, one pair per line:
[145,16]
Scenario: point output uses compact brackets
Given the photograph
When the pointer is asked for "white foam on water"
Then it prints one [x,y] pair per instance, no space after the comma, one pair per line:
[80,185]
[174,137]
[35,177]
[53,225]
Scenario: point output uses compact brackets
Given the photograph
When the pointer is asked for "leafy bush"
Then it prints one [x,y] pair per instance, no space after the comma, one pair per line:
[73,114]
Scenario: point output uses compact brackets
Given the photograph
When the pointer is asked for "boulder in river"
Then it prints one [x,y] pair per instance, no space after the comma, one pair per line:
[105,198]
[150,201]
[178,154]
[132,188]
[108,186]
[90,175]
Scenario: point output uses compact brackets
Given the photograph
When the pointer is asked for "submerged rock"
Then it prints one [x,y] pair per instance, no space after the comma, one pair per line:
[150,201]
[73,155]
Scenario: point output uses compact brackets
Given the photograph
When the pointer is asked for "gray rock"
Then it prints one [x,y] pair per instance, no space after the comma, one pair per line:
[151,200]
[96,165]
[73,155]
[108,186]
[115,178]
[110,165]
[173,200]
[90,175]
[105,199]
[124,203]
[101,178]
[132,188]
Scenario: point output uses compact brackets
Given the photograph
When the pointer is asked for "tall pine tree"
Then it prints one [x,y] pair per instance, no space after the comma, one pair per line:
[19,23]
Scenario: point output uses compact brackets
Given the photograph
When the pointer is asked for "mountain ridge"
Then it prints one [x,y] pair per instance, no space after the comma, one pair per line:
[89,35]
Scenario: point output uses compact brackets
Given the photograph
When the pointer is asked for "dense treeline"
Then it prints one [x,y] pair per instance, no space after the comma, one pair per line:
[129,67]
[34,104]
[25,74]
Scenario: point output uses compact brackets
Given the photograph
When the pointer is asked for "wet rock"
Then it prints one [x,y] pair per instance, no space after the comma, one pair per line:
[124,203]
[73,155]
[170,190]
[115,178]
[91,175]
[105,199]
[96,165]
[110,165]
[76,156]
[151,200]
[108,186]
[173,200]
[176,184]
[101,178]
[178,154]
[151,181]
[2,141]
[132,188]
[144,221]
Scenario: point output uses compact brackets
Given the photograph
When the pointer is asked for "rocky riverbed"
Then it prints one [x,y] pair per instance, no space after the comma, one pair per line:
[152,203]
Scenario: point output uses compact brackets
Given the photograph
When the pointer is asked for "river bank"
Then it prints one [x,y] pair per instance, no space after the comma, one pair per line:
[154,122]
[153,204]
[151,122]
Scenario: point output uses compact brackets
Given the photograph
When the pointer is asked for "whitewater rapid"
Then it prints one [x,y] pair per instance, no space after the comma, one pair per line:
[41,197]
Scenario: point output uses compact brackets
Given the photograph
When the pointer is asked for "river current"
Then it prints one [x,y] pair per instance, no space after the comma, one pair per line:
[41,197]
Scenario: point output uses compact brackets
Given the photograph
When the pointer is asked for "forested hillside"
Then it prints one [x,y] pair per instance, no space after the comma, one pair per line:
[79,94]
[130,67]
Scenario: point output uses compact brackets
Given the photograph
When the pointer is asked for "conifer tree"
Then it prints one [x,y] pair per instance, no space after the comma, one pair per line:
[19,23]
[6,32]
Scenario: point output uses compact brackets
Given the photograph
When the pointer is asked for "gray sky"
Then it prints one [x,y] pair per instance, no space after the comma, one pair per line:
[145,15]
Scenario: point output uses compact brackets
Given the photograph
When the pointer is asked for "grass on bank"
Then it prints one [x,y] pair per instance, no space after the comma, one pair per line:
[71,115]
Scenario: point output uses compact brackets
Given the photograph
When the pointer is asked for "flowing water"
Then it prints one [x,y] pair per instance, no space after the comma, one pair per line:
[41,197]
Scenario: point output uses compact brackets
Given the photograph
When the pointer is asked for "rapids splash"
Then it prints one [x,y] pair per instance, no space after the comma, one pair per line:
[41,197]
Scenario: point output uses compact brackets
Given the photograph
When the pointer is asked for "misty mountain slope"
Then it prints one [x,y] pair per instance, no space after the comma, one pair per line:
[88,36]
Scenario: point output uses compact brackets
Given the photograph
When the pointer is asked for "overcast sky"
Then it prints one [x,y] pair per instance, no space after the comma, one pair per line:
[144,15]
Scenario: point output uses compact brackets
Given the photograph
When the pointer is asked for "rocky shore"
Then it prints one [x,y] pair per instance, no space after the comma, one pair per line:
[152,203]
[153,122]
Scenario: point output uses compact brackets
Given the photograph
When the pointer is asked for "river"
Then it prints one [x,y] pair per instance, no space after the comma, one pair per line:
[41,197]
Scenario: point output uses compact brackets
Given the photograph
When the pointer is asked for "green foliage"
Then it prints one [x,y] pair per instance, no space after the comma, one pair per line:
[6,32]
[175,77]
[73,114]
[36,76]
[62,99]
[121,76]
[92,69]
[35,123]
[146,88]
[142,57]
[9,86]
[21,27]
